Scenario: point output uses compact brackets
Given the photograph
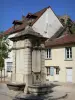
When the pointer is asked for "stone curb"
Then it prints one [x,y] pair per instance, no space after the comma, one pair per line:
[51,96]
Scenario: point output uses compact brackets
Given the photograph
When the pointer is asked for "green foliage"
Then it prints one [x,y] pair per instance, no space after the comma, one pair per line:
[62,21]
[1,63]
[70,24]
[3,50]
[73,28]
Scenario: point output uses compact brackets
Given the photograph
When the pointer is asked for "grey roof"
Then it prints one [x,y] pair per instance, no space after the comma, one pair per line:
[28,31]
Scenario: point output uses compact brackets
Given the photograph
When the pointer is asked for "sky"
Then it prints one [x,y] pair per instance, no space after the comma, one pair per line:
[14,9]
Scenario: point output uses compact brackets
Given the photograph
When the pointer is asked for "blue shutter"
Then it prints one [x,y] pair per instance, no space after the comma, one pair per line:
[51,71]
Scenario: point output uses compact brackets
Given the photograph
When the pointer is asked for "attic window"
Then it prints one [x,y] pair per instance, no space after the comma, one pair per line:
[31,16]
[17,22]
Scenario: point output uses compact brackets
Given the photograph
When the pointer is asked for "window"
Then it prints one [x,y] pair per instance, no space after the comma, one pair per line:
[48,55]
[68,51]
[50,71]
[9,66]
[57,70]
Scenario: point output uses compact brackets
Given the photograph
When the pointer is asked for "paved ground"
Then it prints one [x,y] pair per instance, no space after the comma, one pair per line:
[60,91]
[67,88]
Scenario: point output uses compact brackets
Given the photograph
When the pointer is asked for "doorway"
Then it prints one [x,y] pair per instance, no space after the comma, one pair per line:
[69,74]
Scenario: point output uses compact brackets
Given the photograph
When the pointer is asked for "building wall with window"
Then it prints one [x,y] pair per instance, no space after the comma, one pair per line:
[62,59]
[47,25]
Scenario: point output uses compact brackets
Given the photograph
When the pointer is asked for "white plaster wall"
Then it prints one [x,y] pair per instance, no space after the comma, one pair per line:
[48,24]
[58,59]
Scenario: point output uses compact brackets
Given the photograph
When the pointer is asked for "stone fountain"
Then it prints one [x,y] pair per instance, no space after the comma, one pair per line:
[28,62]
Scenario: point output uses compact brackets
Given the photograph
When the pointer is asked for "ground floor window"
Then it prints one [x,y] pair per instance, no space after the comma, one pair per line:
[50,71]
[9,66]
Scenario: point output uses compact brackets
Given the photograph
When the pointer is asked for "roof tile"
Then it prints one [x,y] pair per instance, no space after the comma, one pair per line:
[65,39]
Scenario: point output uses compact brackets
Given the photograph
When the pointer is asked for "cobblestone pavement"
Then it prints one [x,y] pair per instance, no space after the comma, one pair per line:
[60,91]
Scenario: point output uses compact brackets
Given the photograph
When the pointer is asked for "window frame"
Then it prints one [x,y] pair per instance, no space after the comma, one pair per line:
[48,53]
[9,69]
[68,53]
[49,69]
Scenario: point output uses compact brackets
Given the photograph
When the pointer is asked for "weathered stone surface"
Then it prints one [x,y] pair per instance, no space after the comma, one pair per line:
[28,58]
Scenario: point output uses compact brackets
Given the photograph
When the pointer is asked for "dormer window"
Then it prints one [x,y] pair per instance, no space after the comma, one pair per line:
[32,16]
[17,23]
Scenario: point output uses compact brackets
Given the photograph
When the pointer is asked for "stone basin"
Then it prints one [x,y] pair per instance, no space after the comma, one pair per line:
[39,89]
[16,86]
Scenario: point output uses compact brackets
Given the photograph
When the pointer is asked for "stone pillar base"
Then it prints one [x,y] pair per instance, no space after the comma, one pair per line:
[27,81]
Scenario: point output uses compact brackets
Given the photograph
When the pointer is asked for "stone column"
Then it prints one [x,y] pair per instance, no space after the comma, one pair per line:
[14,63]
[27,63]
[43,71]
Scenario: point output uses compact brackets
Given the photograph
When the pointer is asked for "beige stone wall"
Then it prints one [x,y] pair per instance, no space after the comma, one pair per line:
[58,59]
[28,63]
[38,65]
[22,61]
[43,70]
[36,60]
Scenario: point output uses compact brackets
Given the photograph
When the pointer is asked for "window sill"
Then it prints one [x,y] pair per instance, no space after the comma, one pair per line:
[9,71]
[50,75]
[48,58]
[68,60]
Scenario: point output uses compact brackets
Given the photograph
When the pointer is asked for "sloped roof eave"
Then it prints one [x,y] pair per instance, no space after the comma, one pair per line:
[64,40]
[19,28]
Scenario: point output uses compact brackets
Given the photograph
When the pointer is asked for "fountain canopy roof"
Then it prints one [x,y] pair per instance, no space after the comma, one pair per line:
[27,33]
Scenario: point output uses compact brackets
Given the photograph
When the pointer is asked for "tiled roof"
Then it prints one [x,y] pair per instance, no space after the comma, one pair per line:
[24,24]
[63,40]
[9,30]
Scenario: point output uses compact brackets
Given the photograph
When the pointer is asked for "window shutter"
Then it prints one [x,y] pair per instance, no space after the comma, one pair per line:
[51,71]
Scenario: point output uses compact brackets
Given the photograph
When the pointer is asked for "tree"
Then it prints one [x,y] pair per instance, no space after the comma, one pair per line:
[62,21]
[73,28]
[71,25]
[4,49]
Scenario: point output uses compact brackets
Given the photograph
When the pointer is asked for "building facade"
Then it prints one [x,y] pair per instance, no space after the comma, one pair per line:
[60,59]
[44,22]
